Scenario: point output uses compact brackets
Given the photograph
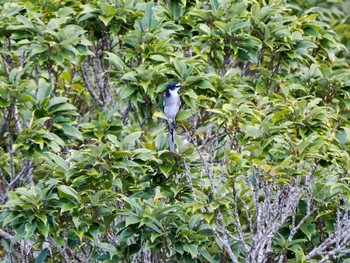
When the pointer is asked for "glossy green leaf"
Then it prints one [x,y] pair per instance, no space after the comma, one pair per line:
[44,228]
[116,61]
[132,220]
[192,249]
[70,193]
[308,230]
[131,138]
[42,256]
[72,131]
[183,115]
[126,92]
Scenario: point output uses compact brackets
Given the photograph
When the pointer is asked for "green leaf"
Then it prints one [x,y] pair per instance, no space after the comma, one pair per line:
[116,62]
[132,220]
[58,160]
[129,76]
[159,58]
[181,69]
[84,50]
[165,168]
[24,98]
[105,19]
[39,122]
[308,230]
[131,138]
[113,139]
[299,253]
[159,114]
[20,233]
[53,137]
[154,227]
[127,92]
[120,165]
[30,228]
[67,207]
[205,29]
[132,202]
[42,217]
[195,219]
[25,21]
[65,11]
[126,233]
[204,253]
[208,216]
[72,131]
[44,89]
[70,193]
[254,131]
[13,75]
[148,19]
[42,256]
[184,115]
[64,107]
[38,50]
[215,4]
[55,101]
[112,250]
[192,249]
[107,9]
[44,228]
[160,142]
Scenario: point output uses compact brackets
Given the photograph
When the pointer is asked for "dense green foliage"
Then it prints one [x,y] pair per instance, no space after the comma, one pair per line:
[261,173]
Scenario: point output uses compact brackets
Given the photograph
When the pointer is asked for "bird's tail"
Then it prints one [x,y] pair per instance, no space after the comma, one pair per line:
[171,137]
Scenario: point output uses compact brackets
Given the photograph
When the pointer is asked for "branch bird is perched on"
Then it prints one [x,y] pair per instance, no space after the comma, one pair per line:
[171,105]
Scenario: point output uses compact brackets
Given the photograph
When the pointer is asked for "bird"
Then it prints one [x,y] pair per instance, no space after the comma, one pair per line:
[171,105]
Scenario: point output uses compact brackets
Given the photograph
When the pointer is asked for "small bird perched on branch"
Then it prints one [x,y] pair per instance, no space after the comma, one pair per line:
[171,105]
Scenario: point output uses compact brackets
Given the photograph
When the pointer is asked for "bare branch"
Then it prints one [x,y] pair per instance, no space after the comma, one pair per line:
[5,235]
[338,241]
[273,206]
[25,175]
[25,248]
[226,245]
[89,86]
[238,224]
[59,249]
[9,135]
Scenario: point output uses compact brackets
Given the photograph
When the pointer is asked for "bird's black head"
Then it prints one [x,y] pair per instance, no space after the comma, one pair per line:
[172,86]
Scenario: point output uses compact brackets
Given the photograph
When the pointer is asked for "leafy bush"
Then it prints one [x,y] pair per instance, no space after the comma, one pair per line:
[261,172]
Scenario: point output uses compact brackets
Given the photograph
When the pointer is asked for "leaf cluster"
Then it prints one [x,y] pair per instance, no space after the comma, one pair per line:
[261,172]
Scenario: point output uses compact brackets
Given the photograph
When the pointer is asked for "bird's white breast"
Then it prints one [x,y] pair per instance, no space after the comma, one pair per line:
[172,105]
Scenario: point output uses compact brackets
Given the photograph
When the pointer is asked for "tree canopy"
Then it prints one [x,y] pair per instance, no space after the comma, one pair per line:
[263,135]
